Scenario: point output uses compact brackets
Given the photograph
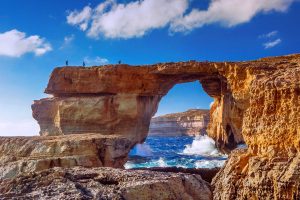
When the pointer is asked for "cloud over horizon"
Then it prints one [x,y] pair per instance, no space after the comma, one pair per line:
[268,35]
[272,43]
[135,19]
[14,43]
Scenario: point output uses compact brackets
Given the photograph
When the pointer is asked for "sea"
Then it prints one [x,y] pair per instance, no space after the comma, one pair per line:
[182,151]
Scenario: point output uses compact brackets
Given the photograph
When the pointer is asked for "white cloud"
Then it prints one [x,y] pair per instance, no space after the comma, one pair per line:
[67,40]
[80,18]
[272,44]
[15,44]
[134,19]
[20,128]
[227,13]
[116,20]
[96,61]
[268,35]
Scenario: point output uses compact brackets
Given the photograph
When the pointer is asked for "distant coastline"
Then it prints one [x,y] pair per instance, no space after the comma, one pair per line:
[192,122]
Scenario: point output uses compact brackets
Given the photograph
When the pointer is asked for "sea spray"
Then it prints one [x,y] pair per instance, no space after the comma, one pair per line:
[202,145]
[143,150]
[162,163]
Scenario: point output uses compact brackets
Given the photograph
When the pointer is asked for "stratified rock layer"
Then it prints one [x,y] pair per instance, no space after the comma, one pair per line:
[22,155]
[105,183]
[190,123]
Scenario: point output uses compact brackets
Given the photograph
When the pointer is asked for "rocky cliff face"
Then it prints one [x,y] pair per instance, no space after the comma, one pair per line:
[256,102]
[105,183]
[269,169]
[190,123]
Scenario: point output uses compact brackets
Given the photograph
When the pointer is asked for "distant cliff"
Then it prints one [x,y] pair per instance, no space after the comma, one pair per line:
[192,122]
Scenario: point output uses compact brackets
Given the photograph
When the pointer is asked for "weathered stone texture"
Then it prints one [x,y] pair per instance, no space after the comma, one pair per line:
[22,155]
[105,183]
[246,176]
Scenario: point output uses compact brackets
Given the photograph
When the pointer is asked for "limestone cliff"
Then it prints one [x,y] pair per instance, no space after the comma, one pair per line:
[105,183]
[269,168]
[189,123]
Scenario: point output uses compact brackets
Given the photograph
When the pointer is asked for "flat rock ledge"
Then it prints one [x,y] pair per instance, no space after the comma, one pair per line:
[22,155]
[105,183]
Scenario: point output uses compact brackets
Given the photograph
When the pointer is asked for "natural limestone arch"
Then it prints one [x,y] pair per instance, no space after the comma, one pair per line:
[122,99]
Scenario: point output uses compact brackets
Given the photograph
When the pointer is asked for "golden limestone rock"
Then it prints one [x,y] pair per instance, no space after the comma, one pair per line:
[270,167]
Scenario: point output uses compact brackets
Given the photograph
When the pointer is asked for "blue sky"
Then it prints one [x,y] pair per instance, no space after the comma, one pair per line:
[37,36]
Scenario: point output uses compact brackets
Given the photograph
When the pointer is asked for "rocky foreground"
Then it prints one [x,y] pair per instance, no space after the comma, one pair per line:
[256,102]
[192,122]
[105,183]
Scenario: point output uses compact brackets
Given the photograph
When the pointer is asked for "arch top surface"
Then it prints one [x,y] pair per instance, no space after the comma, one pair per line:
[147,80]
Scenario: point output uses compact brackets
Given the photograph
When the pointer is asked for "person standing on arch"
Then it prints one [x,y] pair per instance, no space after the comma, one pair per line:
[67,62]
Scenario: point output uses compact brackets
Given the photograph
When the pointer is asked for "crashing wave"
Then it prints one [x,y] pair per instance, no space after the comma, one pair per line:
[202,145]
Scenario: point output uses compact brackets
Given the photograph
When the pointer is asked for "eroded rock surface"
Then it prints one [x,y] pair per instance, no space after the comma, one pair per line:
[105,183]
[21,155]
[246,176]
[189,123]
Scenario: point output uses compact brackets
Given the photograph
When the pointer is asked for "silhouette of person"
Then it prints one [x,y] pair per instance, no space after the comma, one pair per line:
[83,63]
[67,62]
[119,61]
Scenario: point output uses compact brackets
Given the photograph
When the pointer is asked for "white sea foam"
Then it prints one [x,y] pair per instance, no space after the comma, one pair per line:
[162,163]
[143,150]
[209,163]
[202,145]
[129,165]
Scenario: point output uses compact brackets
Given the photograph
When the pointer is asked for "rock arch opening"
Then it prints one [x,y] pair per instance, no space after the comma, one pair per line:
[183,111]
[177,134]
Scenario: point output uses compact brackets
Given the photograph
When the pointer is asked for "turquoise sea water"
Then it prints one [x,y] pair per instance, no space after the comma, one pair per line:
[184,151]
